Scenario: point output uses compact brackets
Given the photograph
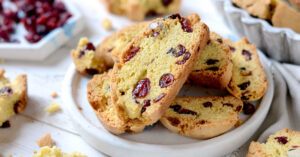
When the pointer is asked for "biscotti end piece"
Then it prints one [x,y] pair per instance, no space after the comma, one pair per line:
[285,142]
[112,45]
[249,81]
[154,66]
[85,60]
[214,67]
[202,117]
[13,96]
[285,16]
[260,8]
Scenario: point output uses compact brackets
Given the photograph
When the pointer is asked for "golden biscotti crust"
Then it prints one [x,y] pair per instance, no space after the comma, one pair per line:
[214,67]
[112,45]
[283,143]
[249,81]
[202,117]
[151,113]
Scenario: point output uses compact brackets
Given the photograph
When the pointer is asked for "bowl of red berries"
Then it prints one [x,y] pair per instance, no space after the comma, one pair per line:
[33,29]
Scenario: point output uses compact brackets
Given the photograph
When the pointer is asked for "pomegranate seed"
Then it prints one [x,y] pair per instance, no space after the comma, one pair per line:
[207,104]
[33,38]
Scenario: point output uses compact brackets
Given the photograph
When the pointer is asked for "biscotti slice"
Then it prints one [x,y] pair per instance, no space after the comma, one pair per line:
[249,81]
[154,66]
[286,16]
[112,45]
[260,8]
[13,96]
[86,60]
[284,143]
[214,67]
[202,117]
[138,10]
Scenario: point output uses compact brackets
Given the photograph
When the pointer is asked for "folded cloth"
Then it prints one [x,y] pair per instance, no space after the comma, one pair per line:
[285,108]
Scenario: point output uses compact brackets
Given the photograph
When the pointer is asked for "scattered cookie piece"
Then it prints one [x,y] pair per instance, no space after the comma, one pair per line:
[54,95]
[45,141]
[56,152]
[107,25]
[53,107]
[238,123]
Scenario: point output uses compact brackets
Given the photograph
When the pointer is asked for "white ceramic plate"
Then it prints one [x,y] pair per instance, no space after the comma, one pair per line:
[51,42]
[282,44]
[157,141]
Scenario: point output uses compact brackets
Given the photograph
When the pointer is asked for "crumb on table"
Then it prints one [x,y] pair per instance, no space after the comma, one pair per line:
[54,95]
[79,107]
[53,107]
[45,141]
[106,24]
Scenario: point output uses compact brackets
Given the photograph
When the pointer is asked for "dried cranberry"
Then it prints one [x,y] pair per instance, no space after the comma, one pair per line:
[244,85]
[208,41]
[167,2]
[151,13]
[159,97]
[146,103]
[213,68]
[248,108]
[91,71]
[175,107]
[89,46]
[142,88]
[166,80]
[232,49]
[207,104]
[81,53]
[6,90]
[238,109]
[282,139]
[6,124]
[187,111]
[132,52]
[202,122]
[247,54]
[220,41]
[181,51]
[228,104]
[186,56]
[174,121]
[186,26]
[211,61]
[173,16]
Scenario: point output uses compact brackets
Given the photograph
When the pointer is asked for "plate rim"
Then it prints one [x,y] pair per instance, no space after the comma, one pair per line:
[109,143]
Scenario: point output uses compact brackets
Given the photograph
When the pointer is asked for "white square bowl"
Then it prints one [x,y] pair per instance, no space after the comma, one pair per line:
[51,42]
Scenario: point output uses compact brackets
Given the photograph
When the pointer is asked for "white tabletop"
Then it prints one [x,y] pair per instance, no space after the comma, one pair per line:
[46,77]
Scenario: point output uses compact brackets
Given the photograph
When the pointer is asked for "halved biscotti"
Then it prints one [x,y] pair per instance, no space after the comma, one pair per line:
[13,96]
[112,45]
[260,8]
[284,143]
[214,67]
[249,81]
[154,66]
[86,60]
[138,10]
[202,117]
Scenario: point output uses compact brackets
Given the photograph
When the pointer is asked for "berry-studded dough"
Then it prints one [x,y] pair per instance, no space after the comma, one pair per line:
[86,60]
[214,67]
[260,8]
[249,81]
[13,96]
[138,10]
[202,117]
[284,143]
[155,65]
[112,45]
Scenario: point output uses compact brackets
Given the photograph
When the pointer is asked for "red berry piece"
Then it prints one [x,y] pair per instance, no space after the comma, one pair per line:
[244,85]
[166,80]
[282,139]
[186,56]
[174,121]
[248,108]
[207,104]
[186,25]
[146,104]
[132,52]
[247,55]
[142,88]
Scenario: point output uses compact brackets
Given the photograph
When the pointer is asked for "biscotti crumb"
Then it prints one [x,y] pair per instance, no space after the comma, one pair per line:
[53,107]
[79,107]
[54,95]
[238,123]
[45,141]
[106,24]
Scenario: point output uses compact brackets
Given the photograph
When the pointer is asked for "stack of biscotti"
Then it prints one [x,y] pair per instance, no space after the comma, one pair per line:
[280,12]
[151,62]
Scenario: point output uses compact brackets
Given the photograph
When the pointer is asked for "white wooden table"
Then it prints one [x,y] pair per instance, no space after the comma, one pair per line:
[46,77]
